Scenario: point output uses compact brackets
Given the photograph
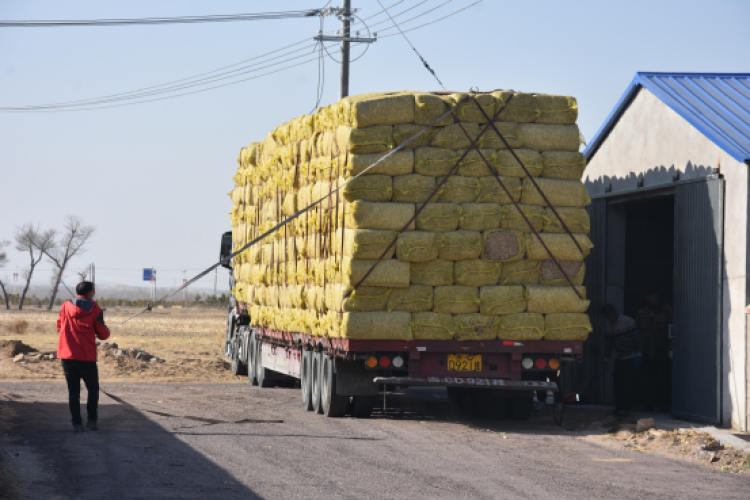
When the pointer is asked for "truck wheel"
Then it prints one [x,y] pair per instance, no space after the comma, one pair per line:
[262,374]
[362,406]
[492,407]
[464,401]
[333,405]
[252,347]
[306,380]
[520,408]
[317,357]
[238,366]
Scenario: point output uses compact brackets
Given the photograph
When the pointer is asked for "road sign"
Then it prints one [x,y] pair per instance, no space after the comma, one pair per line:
[147,274]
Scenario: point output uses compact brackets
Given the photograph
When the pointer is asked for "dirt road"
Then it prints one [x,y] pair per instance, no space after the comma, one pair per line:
[416,448]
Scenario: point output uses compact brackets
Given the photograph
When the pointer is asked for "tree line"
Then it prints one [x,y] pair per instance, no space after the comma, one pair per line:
[218,301]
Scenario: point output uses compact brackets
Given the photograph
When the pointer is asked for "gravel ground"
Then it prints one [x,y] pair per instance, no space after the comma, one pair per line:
[416,448]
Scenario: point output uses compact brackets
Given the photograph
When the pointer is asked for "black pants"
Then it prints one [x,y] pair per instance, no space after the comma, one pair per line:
[75,371]
[623,382]
[658,383]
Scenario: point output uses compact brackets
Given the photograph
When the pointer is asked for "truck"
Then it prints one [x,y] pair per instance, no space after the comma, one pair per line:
[490,379]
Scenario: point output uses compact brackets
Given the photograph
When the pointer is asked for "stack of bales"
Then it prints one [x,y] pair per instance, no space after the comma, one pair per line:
[467,268]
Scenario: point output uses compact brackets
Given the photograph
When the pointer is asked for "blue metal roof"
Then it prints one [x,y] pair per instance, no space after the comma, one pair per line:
[717,104]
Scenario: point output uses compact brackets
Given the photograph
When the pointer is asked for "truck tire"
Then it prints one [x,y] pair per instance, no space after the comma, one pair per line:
[251,368]
[315,373]
[520,408]
[464,401]
[238,353]
[362,406]
[262,375]
[333,405]
[306,380]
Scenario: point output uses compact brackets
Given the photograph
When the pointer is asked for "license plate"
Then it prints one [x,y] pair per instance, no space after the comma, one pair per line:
[464,362]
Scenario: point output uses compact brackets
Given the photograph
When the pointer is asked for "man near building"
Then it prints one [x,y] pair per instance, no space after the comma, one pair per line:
[621,335]
[80,323]
[653,323]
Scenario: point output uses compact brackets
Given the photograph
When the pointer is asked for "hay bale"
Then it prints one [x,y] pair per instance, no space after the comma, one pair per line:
[556,108]
[416,298]
[479,216]
[561,246]
[373,215]
[388,273]
[511,218]
[473,165]
[496,300]
[364,298]
[384,109]
[576,219]
[430,107]
[556,299]
[399,163]
[435,162]
[515,106]
[453,136]
[543,137]
[567,326]
[460,245]
[560,193]
[438,217]
[475,327]
[469,110]
[505,163]
[413,188]
[363,244]
[457,189]
[490,191]
[432,326]
[434,273]
[476,272]
[376,325]
[520,272]
[404,132]
[377,139]
[550,274]
[369,188]
[509,131]
[521,326]
[563,165]
[456,299]
[502,245]
[417,246]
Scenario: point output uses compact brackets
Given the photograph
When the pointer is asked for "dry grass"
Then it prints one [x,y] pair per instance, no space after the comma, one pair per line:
[18,326]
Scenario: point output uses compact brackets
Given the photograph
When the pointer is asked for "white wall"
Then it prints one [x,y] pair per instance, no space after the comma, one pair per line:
[652,141]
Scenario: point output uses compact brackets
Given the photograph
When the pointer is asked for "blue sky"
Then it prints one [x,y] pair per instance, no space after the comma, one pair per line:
[153,177]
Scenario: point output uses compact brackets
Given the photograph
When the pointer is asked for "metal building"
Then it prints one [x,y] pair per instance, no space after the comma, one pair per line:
[668,176]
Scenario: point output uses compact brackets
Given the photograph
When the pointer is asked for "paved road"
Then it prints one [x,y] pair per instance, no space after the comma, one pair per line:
[417,448]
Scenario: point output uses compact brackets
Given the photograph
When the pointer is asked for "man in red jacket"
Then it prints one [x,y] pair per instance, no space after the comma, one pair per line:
[80,323]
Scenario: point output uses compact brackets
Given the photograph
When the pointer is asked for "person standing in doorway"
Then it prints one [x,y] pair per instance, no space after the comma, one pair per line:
[80,323]
[621,335]
[653,323]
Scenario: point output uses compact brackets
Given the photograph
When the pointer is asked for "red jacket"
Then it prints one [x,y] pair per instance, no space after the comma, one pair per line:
[81,321]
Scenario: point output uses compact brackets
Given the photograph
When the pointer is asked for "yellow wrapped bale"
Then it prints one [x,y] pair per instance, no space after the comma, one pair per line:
[475,327]
[416,298]
[511,218]
[556,108]
[490,191]
[551,275]
[477,108]
[456,299]
[476,272]
[458,189]
[474,164]
[543,137]
[384,109]
[560,193]
[363,244]
[556,299]
[399,163]
[561,246]
[413,188]
[454,137]
[515,106]
[377,139]
[432,326]
[364,298]
[369,188]
[438,217]
[460,245]
[430,107]
[510,133]
[503,245]
[417,246]
[505,163]
[388,273]
[435,162]
[479,216]
[403,132]
[376,325]
[563,165]
[372,215]
[521,272]
[576,219]
[567,326]
[521,326]
[496,300]
[434,273]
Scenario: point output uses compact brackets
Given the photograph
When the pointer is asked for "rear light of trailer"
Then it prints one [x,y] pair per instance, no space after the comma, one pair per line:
[398,362]
[527,363]
[371,362]
[541,363]
[385,361]
[554,363]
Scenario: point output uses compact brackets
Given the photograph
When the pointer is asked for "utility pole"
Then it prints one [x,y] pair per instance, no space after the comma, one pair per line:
[216,275]
[184,280]
[345,32]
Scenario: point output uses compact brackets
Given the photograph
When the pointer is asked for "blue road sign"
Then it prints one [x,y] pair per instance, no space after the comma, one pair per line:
[147,273]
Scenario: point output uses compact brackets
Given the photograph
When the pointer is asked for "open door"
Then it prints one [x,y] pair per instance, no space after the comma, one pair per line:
[698,270]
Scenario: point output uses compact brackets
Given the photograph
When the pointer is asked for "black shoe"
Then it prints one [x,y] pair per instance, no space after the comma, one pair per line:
[91,425]
[77,428]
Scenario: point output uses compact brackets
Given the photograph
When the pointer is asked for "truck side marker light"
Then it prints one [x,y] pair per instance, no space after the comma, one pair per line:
[398,362]
[541,363]
[527,363]
[371,362]
[508,342]
[385,361]
[554,363]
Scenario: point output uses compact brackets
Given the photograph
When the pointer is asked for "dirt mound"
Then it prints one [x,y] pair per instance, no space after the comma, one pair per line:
[10,348]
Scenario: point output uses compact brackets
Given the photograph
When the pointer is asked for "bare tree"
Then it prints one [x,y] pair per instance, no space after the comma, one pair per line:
[3,261]
[36,243]
[82,274]
[73,238]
